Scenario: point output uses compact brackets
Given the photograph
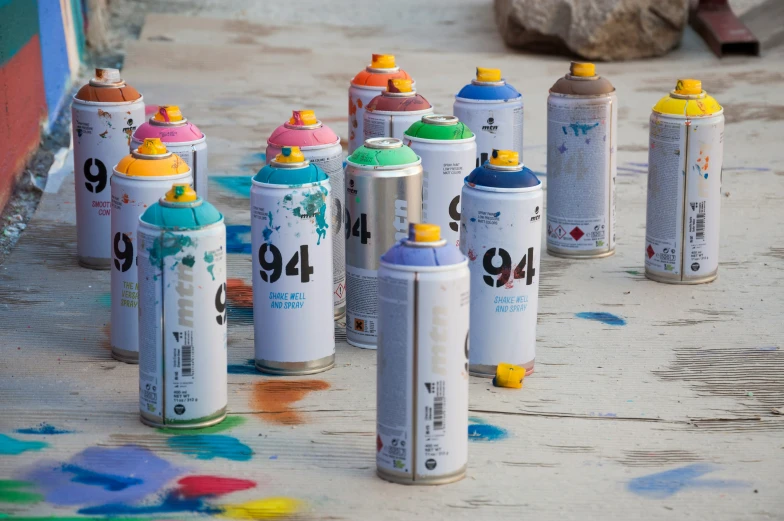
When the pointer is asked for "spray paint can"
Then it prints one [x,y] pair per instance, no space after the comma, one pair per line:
[366,85]
[321,146]
[493,110]
[182,312]
[582,123]
[383,194]
[391,113]
[138,181]
[501,234]
[292,266]
[104,114]
[181,137]
[422,380]
[684,186]
[448,151]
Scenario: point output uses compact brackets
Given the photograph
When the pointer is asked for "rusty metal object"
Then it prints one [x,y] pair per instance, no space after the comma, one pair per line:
[722,30]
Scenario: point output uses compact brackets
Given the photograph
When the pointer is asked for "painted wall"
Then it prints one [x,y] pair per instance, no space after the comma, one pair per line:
[41,47]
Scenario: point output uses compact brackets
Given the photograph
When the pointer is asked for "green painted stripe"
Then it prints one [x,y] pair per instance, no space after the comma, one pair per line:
[78,20]
[18,23]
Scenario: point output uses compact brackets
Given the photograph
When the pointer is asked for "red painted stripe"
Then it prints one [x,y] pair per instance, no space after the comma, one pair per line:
[200,486]
[23,107]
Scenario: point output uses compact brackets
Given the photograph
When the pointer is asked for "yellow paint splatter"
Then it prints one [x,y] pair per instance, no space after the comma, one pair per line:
[267,508]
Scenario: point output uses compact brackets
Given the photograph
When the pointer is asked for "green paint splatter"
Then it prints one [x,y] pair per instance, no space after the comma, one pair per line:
[170,244]
[10,492]
[356,199]
[209,270]
[288,198]
[105,299]
[189,260]
[208,257]
[633,272]
[314,204]
[229,423]
[179,191]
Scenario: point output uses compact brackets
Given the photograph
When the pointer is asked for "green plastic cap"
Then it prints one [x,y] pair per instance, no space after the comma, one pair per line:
[181,216]
[439,127]
[383,151]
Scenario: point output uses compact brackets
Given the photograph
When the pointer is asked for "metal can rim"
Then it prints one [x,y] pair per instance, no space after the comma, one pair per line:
[719,112]
[422,112]
[304,148]
[371,168]
[289,187]
[425,269]
[583,96]
[489,101]
[440,141]
[77,101]
[152,178]
[482,188]
[170,144]
[216,224]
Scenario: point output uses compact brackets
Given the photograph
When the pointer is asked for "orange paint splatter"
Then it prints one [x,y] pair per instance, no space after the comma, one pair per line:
[106,343]
[126,199]
[359,103]
[239,293]
[273,399]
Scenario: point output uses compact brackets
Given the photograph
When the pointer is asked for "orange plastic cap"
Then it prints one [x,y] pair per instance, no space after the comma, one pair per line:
[303,117]
[688,87]
[383,61]
[422,232]
[399,85]
[181,193]
[168,114]
[582,69]
[488,75]
[505,158]
[152,146]
[290,155]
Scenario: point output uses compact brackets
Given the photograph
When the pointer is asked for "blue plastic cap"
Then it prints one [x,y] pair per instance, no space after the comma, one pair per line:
[488,92]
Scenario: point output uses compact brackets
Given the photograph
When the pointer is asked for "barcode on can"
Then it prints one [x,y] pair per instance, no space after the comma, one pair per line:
[438,413]
[187,361]
[700,229]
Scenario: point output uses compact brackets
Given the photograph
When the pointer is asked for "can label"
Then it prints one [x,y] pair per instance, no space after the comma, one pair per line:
[387,125]
[182,324]
[292,273]
[362,306]
[682,229]
[102,134]
[581,168]
[496,126]
[422,398]
[357,101]
[501,236]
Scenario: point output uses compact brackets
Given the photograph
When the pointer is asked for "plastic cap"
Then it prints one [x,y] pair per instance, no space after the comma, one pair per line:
[505,158]
[152,146]
[383,61]
[583,69]
[399,85]
[181,193]
[509,375]
[290,155]
[107,76]
[421,232]
[489,75]
[168,114]
[303,117]
[688,87]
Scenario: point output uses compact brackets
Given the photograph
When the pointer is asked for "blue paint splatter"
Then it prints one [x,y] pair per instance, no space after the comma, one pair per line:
[587,141]
[267,232]
[486,432]
[768,348]
[473,219]
[238,238]
[13,447]
[211,446]
[665,484]
[171,502]
[562,148]
[564,131]
[240,314]
[108,482]
[236,184]
[497,214]
[604,318]
[44,429]
[105,299]
[249,367]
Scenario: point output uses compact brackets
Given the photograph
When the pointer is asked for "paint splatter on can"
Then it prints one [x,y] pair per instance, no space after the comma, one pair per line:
[104,114]
[383,194]
[366,85]
[181,137]
[391,113]
[321,146]
[582,122]
[292,266]
[182,312]
[501,232]
[137,182]
[493,110]
[684,186]
[448,151]
[422,381]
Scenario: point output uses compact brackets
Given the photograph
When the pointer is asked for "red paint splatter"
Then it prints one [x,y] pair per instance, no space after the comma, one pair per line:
[200,486]
[471,255]
[239,293]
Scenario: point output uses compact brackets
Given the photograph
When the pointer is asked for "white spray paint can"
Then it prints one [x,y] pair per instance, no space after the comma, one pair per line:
[366,85]
[138,181]
[182,312]
[448,151]
[104,114]
[684,186]
[582,122]
[321,146]
[493,110]
[391,113]
[292,266]
[180,137]
[501,233]
[422,380]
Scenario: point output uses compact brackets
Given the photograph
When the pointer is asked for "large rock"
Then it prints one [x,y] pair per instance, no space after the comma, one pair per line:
[593,29]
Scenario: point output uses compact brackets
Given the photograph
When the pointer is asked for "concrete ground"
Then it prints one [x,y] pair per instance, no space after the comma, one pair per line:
[676,414]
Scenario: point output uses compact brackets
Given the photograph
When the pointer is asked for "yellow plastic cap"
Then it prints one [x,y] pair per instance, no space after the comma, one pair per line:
[168,114]
[582,69]
[152,146]
[383,61]
[181,193]
[290,155]
[509,375]
[421,232]
[505,158]
[489,75]
[399,85]
[688,87]
[303,117]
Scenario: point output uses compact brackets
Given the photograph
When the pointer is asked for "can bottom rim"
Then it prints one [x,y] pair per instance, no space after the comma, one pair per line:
[489,371]
[408,480]
[124,355]
[704,280]
[564,254]
[221,415]
[95,263]
[354,343]
[296,368]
